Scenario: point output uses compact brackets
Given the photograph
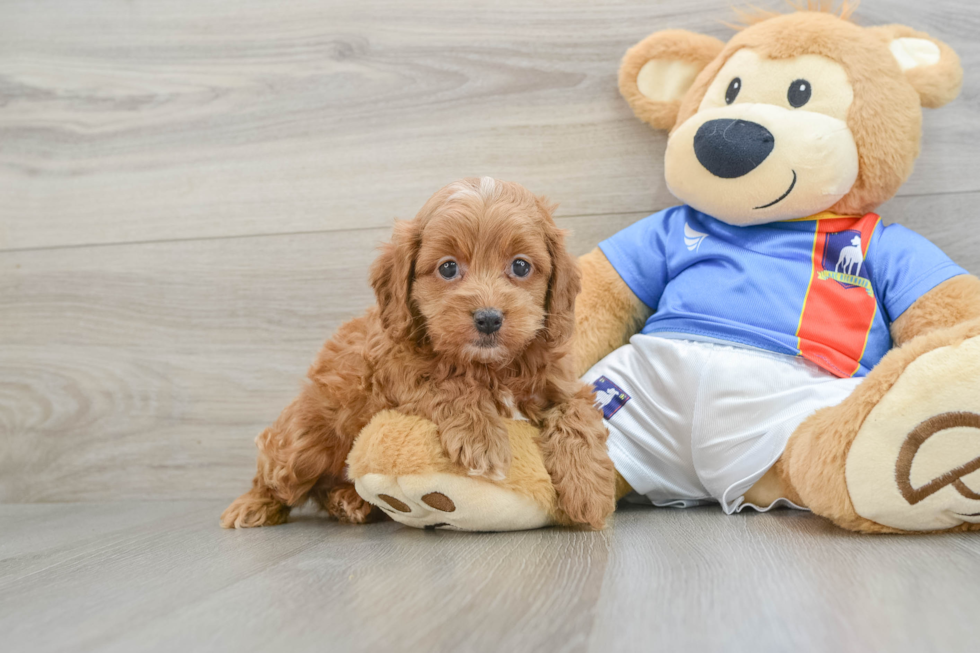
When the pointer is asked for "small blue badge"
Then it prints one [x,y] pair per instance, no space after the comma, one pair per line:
[843,257]
[609,397]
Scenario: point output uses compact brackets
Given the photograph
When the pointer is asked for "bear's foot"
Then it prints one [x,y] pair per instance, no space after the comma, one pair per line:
[397,464]
[914,464]
[441,500]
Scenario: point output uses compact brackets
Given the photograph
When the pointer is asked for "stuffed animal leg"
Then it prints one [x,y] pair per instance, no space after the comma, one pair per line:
[902,453]
[398,464]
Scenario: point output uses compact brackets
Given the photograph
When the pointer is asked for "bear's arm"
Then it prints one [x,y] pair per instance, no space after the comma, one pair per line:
[952,302]
[607,312]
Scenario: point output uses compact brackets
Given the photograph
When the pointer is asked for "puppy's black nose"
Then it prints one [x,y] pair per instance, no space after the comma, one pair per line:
[488,320]
[732,148]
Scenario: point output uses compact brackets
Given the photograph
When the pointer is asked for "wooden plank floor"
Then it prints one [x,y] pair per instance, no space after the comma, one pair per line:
[162,577]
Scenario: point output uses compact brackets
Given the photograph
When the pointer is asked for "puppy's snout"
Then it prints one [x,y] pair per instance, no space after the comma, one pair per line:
[488,320]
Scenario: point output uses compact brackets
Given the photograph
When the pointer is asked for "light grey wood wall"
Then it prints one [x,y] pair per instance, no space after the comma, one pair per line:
[190,195]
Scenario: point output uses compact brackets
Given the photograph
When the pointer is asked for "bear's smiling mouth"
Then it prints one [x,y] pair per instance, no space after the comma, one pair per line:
[781,197]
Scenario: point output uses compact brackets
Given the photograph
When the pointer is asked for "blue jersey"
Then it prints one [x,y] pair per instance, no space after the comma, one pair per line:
[826,288]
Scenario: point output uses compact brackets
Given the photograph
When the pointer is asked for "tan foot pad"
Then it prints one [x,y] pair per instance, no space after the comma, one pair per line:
[915,463]
[450,501]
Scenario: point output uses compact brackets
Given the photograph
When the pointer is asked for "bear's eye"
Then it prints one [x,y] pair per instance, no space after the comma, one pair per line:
[520,267]
[734,87]
[799,93]
[449,270]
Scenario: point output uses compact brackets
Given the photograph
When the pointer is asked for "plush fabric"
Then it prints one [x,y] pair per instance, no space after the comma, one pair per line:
[814,463]
[687,50]
[952,302]
[937,84]
[913,465]
[607,312]
[398,463]
[885,116]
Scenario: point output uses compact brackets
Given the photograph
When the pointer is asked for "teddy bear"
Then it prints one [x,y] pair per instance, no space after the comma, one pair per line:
[770,341]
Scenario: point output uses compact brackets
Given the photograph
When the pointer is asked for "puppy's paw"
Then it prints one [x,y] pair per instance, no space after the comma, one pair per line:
[344,504]
[586,486]
[483,452]
[254,508]
[585,505]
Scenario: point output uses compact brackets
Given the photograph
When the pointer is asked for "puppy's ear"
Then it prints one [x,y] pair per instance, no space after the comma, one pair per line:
[930,66]
[564,283]
[657,72]
[392,274]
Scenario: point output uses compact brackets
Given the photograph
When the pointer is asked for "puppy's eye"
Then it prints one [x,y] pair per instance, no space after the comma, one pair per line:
[733,88]
[520,267]
[799,93]
[449,270]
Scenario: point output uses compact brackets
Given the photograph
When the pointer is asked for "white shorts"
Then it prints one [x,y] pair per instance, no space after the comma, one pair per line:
[693,422]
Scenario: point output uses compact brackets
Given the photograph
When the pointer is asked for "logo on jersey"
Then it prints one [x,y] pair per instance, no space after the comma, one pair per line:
[609,397]
[843,261]
[692,238]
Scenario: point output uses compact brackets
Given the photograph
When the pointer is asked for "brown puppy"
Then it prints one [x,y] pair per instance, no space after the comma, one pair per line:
[474,321]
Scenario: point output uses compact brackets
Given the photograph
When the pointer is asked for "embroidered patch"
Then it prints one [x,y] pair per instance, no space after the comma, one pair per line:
[843,261]
[609,397]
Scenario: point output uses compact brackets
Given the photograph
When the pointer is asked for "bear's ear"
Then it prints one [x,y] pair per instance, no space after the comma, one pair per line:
[930,65]
[657,72]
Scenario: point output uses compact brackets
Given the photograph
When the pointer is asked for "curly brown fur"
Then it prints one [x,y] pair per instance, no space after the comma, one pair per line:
[420,352]
[575,455]
[344,503]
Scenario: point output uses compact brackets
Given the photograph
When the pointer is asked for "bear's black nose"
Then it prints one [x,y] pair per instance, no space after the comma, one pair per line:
[732,148]
[488,320]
